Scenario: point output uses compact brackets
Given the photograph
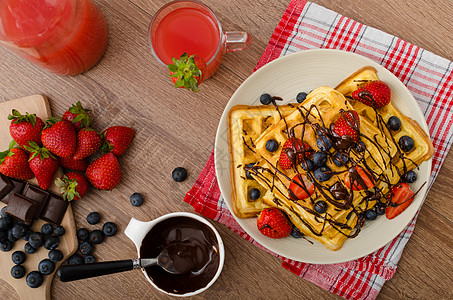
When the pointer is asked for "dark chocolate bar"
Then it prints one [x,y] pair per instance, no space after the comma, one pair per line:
[21,208]
[38,195]
[6,186]
[18,188]
[54,209]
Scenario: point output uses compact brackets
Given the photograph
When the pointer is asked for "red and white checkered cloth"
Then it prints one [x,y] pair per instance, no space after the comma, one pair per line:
[306,25]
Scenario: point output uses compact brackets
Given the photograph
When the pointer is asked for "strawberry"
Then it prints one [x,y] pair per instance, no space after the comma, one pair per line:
[14,163]
[400,198]
[73,186]
[292,153]
[104,173]
[59,138]
[363,181]
[88,143]
[273,223]
[43,164]
[77,116]
[300,188]
[187,72]
[348,124]
[72,164]
[25,128]
[117,139]
[376,94]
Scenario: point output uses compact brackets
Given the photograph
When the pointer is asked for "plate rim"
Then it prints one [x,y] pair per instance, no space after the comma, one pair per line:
[421,194]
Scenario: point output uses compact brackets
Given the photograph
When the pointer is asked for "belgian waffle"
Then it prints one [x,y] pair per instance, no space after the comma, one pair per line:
[322,107]
[245,125]
[423,149]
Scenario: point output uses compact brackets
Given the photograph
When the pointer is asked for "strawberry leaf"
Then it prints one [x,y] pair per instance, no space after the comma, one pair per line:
[186,71]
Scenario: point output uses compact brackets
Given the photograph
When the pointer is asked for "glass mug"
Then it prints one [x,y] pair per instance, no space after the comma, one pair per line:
[66,37]
[192,27]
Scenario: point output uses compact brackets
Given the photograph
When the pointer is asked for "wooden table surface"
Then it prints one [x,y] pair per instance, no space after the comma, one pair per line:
[177,128]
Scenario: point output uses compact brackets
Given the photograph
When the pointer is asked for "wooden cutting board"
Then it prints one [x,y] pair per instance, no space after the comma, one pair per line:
[39,105]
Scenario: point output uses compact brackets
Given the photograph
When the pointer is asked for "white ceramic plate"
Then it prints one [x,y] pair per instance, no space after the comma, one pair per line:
[305,71]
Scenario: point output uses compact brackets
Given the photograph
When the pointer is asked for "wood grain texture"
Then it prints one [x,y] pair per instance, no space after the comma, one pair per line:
[175,128]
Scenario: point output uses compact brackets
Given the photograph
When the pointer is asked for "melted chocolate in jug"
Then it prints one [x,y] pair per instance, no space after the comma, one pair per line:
[183,237]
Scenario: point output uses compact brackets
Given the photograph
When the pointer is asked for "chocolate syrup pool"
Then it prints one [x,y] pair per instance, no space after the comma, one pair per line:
[183,237]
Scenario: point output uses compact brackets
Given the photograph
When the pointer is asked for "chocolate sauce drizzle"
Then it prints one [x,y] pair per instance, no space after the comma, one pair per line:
[355,153]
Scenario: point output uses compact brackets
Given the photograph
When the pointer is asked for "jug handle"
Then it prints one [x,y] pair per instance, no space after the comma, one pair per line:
[136,231]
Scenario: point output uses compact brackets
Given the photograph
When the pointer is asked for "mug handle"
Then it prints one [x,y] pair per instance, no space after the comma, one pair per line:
[237,40]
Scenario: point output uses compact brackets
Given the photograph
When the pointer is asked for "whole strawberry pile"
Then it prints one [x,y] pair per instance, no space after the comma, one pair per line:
[39,148]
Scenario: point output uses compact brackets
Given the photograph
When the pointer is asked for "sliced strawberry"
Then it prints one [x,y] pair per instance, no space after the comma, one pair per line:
[273,223]
[294,151]
[376,94]
[401,197]
[362,179]
[187,71]
[300,188]
[348,124]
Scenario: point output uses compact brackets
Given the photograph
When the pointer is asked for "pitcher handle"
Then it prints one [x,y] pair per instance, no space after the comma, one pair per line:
[136,231]
[237,40]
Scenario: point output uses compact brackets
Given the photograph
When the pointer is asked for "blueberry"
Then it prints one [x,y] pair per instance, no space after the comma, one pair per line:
[27,236]
[320,207]
[322,173]
[59,231]
[19,231]
[46,229]
[46,266]
[109,229]
[96,237]
[29,249]
[265,99]
[301,97]
[371,214]
[308,165]
[254,194]
[136,199]
[340,159]
[11,236]
[55,255]
[18,257]
[3,236]
[75,260]
[93,218]
[51,242]
[6,246]
[380,209]
[86,248]
[36,239]
[247,173]
[2,212]
[179,174]
[34,279]
[82,234]
[323,143]
[320,158]
[271,145]
[394,123]
[89,259]
[406,143]
[18,271]
[295,232]
[6,223]
[410,177]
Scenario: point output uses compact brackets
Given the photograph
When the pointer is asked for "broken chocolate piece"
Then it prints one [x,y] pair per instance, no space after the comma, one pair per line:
[54,209]
[18,188]
[38,195]
[21,208]
[6,186]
